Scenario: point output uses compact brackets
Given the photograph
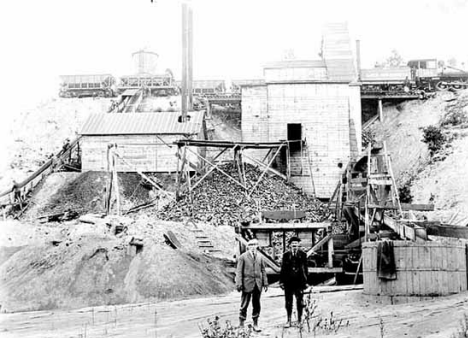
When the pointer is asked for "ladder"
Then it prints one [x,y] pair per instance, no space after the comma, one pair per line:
[381,189]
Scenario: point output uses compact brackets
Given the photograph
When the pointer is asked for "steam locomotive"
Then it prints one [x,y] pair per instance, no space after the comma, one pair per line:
[421,75]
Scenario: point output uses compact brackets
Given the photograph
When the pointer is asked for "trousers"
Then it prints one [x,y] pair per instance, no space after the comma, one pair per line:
[245,301]
[289,292]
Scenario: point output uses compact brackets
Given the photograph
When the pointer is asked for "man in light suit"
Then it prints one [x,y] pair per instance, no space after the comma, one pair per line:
[251,278]
[293,278]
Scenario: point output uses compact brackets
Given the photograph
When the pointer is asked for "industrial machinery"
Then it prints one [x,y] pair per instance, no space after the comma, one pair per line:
[102,85]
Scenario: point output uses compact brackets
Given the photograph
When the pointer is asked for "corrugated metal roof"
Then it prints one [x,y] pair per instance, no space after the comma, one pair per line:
[296,64]
[142,123]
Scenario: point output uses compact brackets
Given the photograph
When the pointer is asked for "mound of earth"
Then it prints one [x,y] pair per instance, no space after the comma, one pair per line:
[86,193]
[218,200]
[75,265]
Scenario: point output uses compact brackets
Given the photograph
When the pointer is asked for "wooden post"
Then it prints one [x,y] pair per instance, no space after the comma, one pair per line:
[178,173]
[380,110]
[330,252]
[116,183]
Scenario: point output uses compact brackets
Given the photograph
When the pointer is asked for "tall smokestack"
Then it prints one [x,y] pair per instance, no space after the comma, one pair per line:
[184,62]
[358,58]
[190,58]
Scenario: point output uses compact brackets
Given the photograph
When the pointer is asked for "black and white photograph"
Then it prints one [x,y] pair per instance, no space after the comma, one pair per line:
[234,169]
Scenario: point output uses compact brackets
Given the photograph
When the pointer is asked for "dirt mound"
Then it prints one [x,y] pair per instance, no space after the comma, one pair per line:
[86,193]
[218,200]
[99,270]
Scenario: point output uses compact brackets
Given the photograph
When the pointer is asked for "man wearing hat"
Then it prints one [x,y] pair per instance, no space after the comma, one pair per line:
[293,277]
[251,277]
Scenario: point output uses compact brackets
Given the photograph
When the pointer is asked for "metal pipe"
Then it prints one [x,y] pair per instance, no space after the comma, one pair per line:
[358,58]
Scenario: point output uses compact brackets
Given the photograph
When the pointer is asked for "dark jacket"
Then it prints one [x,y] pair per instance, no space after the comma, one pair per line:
[294,270]
[250,273]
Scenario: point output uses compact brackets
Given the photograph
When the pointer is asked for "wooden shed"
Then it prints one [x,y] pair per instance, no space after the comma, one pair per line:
[145,141]
[316,106]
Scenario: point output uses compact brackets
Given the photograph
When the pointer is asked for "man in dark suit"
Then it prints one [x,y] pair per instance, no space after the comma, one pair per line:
[293,277]
[251,277]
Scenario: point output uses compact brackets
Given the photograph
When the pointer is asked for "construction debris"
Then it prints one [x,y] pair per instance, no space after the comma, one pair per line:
[217,201]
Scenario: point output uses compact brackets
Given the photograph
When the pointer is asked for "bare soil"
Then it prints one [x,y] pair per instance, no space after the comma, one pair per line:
[440,317]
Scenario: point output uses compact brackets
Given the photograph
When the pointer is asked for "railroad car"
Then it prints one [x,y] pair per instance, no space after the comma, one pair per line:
[102,85]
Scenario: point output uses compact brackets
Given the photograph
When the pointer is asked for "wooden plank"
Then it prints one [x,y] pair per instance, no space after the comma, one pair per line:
[172,240]
[288,226]
[284,214]
[319,244]
[447,231]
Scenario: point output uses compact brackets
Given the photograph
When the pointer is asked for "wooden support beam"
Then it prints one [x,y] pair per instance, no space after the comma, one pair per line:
[319,244]
[147,178]
[263,165]
[380,112]
[227,175]
[264,171]
[288,226]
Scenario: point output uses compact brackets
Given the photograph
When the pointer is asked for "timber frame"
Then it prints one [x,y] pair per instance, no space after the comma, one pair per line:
[238,152]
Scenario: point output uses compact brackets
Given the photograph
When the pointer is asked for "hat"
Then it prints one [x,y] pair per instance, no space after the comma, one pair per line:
[294,239]
[252,241]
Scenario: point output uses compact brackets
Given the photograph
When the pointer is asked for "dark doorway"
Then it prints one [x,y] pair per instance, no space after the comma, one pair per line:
[294,136]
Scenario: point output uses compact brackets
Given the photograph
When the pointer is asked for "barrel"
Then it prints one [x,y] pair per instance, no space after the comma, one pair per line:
[424,269]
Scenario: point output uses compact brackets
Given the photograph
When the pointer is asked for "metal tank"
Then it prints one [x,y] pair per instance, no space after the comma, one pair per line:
[145,62]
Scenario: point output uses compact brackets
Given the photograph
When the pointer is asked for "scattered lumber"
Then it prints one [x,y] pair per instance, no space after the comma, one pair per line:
[172,240]
[60,217]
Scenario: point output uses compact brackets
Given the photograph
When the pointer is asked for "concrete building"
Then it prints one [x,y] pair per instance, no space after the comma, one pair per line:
[315,103]
[144,140]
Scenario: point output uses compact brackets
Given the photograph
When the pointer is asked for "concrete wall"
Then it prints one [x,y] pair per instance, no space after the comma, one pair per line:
[147,153]
[295,74]
[324,110]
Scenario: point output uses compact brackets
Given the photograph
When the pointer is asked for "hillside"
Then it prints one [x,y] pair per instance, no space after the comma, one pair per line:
[37,133]
[439,179]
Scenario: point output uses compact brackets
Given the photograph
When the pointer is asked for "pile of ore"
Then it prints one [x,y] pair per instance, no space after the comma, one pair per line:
[220,201]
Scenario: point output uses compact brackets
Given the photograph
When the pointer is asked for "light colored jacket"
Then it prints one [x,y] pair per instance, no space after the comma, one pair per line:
[250,273]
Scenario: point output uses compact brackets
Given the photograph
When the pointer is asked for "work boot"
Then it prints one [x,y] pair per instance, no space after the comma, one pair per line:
[241,323]
[288,323]
[255,325]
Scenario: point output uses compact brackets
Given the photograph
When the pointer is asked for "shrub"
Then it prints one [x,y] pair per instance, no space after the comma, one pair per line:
[434,138]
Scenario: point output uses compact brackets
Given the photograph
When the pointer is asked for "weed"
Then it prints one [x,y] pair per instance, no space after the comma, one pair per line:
[316,322]
[382,328]
[462,331]
[216,330]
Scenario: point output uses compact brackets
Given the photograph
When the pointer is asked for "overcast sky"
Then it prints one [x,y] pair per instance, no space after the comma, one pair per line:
[42,39]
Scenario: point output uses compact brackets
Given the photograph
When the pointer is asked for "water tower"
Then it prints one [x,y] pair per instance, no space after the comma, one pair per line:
[145,62]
